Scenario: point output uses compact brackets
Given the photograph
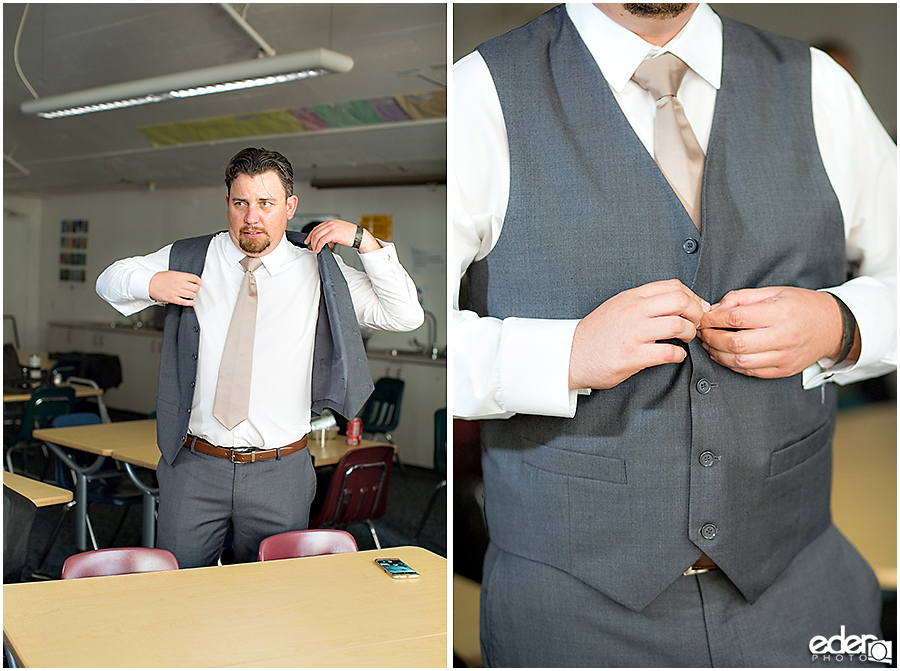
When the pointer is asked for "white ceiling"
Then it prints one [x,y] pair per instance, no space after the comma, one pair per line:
[397,48]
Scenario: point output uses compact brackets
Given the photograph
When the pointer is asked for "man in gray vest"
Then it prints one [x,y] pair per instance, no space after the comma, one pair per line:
[258,332]
[656,274]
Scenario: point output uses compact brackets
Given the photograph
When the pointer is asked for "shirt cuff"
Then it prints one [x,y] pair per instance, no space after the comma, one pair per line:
[383,258]
[873,310]
[534,367]
[139,284]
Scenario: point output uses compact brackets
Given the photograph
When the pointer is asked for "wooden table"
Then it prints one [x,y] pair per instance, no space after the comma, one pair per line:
[24,395]
[39,493]
[864,488]
[329,611]
[134,444]
[466,619]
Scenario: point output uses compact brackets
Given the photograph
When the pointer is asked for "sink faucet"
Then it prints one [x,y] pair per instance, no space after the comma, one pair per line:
[432,337]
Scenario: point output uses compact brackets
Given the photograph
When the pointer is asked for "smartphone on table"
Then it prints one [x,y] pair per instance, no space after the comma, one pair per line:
[396,568]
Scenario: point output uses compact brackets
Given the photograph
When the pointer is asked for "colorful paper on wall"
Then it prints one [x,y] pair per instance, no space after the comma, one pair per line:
[74,237]
[275,122]
[353,113]
[428,105]
[374,111]
[388,109]
[308,117]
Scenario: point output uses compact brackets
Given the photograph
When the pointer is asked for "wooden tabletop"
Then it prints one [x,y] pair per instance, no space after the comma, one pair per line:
[466,618]
[329,611]
[40,493]
[864,488]
[21,395]
[135,442]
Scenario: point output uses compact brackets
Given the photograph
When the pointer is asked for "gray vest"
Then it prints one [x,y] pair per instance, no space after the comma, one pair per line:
[341,377]
[679,459]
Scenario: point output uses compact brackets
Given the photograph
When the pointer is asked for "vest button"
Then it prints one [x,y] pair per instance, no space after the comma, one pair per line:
[708,531]
[703,385]
[690,246]
[707,459]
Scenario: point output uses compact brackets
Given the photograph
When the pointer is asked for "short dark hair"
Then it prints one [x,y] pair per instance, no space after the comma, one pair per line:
[255,161]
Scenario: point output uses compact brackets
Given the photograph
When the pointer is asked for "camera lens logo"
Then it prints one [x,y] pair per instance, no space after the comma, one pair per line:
[880,651]
[864,648]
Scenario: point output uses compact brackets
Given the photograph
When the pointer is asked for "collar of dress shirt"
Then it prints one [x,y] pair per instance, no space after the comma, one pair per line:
[271,261]
[619,52]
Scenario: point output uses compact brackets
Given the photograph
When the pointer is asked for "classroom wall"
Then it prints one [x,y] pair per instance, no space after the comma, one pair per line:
[138,222]
[21,267]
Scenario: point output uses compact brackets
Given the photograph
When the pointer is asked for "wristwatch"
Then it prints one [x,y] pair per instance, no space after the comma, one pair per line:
[357,241]
[849,335]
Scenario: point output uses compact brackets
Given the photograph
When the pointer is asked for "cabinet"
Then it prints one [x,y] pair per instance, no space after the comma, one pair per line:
[138,353]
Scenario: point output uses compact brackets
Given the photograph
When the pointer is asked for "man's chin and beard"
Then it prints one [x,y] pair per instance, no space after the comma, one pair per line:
[658,10]
[254,245]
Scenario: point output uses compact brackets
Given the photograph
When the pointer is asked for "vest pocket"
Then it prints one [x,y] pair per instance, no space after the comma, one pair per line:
[163,405]
[577,464]
[796,453]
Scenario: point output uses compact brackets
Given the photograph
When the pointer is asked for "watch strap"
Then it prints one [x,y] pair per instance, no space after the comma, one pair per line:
[357,241]
[849,324]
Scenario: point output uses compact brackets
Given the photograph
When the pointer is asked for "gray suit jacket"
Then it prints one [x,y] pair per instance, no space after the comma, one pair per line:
[341,379]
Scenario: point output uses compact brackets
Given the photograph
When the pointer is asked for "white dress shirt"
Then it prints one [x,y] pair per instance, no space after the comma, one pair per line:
[504,367]
[288,285]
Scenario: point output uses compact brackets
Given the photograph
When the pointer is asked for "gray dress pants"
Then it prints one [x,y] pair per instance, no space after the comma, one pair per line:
[533,615]
[199,495]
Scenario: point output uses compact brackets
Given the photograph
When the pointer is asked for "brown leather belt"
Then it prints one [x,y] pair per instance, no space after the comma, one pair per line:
[702,565]
[241,455]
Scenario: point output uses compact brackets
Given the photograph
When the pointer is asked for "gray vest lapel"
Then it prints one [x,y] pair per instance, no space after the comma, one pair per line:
[341,379]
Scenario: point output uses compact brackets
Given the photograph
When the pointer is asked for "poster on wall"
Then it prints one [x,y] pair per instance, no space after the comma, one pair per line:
[72,256]
[379,225]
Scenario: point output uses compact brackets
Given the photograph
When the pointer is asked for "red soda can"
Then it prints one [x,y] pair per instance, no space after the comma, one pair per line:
[354,431]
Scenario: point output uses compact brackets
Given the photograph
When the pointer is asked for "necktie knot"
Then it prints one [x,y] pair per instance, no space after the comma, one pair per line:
[662,76]
[251,263]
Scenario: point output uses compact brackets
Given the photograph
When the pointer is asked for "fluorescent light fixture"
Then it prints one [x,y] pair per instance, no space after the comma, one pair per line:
[217,79]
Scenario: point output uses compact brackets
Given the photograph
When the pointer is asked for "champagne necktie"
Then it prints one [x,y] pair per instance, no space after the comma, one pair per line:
[233,387]
[675,147]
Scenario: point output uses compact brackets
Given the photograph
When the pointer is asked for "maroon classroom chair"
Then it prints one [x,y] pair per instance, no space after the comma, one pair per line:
[358,490]
[118,561]
[306,543]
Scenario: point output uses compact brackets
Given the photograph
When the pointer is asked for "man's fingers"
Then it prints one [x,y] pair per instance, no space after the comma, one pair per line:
[747,316]
[759,364]
[683,303]
[748,296]
[668,327]
[657,354]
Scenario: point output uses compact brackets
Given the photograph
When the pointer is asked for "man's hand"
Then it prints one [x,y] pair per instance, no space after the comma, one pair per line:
[342,233]
[619,338]
[780,331]
[171,286]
